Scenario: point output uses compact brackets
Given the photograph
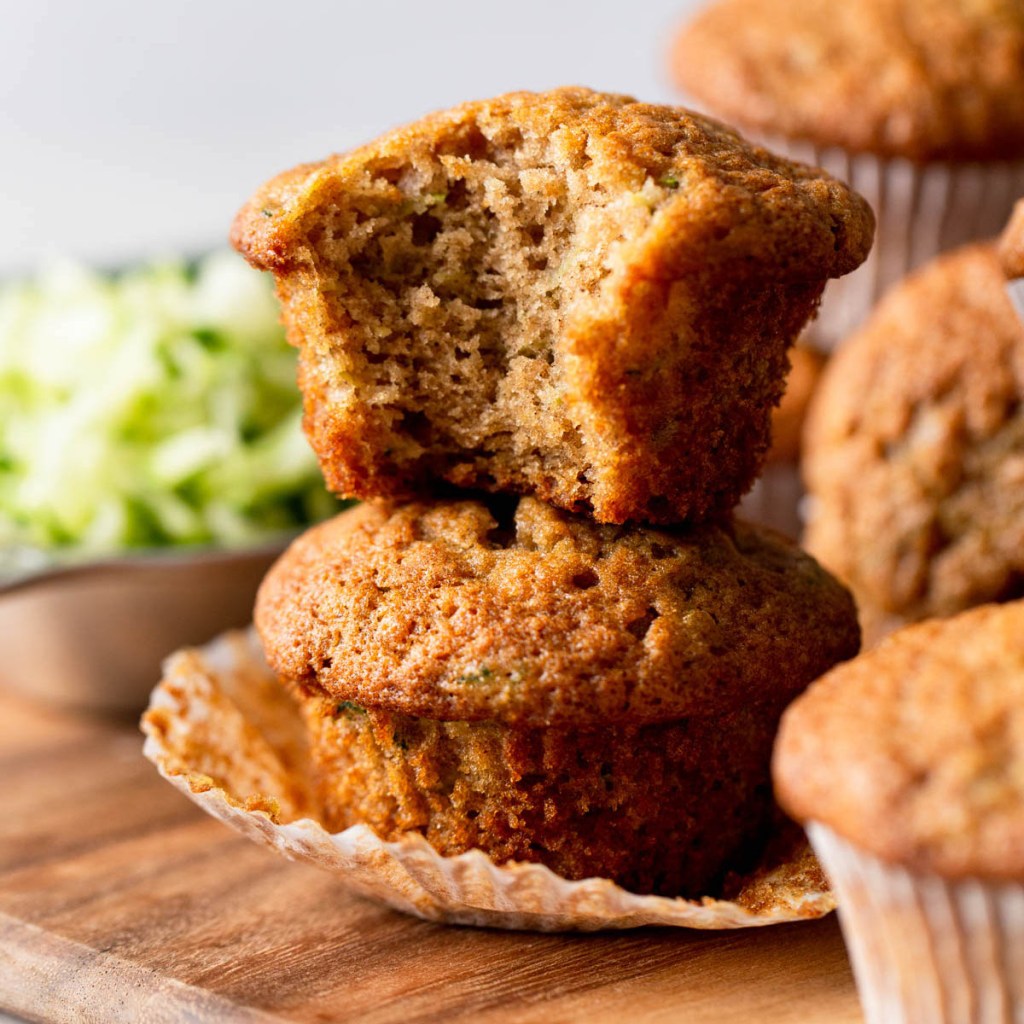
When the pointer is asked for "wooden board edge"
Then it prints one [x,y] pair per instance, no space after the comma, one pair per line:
[46,977]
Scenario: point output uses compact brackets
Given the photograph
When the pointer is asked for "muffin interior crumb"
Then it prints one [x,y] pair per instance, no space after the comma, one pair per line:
[455,269]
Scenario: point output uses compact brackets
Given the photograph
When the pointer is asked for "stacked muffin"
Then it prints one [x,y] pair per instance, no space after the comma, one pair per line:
[543,336]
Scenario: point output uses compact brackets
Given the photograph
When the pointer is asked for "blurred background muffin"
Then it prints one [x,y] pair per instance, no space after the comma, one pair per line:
[914,449]
[907,767]
[918,104]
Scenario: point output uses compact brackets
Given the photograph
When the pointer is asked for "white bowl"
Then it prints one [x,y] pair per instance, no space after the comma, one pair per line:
[92,636]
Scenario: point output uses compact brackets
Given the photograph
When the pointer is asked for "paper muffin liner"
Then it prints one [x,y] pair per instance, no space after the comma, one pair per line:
[926,950]
[920,211]
[1015,289]
[775,499]
[222,730]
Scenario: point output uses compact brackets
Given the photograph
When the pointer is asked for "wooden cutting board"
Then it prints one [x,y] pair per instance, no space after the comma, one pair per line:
[121,901]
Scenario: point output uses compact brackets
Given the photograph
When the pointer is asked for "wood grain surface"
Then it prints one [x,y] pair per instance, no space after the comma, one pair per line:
[121,901]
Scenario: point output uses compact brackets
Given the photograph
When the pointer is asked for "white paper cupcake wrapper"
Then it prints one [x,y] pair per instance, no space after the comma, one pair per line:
[1015,289]
[920,210]
[925,950]
[221,730]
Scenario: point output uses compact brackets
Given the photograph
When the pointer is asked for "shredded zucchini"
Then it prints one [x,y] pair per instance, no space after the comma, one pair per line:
[149,408]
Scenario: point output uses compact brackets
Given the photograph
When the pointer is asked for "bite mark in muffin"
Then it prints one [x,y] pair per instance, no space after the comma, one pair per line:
[568,294]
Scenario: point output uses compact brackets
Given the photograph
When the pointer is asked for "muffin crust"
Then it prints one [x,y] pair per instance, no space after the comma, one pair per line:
[915,751]
[526,615]
[669,808]
[553,294]
[922,79]
[505,676]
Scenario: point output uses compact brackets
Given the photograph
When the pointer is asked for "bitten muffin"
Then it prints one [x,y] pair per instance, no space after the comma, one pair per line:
[918,104]
[566,294]
[907,764]
[510,677]
[914,449]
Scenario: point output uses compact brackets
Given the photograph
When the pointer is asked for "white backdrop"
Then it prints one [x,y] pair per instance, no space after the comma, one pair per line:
[129,128]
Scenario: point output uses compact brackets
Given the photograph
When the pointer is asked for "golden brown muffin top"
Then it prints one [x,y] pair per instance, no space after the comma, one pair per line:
[923,79]
[914,449]
[706,184]
[788,419]
[915,751]
[1011,243]
[448,610]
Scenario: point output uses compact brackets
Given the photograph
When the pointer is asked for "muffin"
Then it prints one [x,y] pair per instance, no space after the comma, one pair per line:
[222,730]
[1011,255]
[552,294]
[509,677]
[918,104]
[914,449]
[907,764]
[775,497]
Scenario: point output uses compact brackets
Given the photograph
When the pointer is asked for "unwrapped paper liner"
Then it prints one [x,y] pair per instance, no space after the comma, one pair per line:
[222,730]
[926,950]
[921,210]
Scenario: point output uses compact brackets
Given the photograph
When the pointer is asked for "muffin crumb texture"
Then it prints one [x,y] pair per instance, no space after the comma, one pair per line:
[568,294]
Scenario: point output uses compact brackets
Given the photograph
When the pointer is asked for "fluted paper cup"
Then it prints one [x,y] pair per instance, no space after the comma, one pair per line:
[1015,289]
[920,211]
[926,950]
[222,730]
